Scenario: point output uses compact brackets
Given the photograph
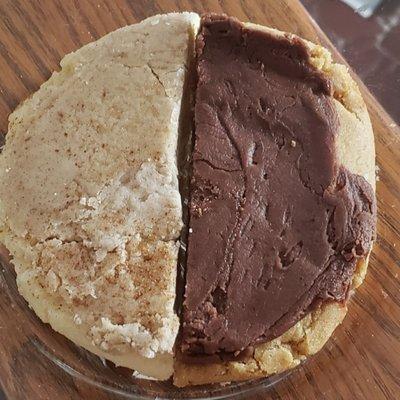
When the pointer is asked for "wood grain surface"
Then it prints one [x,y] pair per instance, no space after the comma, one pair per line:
[361,361]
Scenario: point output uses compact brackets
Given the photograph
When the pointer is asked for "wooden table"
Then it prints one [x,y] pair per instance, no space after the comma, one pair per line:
[362,360]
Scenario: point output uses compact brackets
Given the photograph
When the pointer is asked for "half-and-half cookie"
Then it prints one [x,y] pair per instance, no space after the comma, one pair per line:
[281,211]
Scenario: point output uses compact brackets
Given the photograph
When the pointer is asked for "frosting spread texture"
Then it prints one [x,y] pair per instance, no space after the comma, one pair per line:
[276,224]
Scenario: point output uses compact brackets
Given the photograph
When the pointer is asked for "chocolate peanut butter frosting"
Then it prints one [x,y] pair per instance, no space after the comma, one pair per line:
[276,223]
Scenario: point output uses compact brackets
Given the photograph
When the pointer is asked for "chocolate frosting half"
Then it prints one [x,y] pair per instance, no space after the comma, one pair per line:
[276,224]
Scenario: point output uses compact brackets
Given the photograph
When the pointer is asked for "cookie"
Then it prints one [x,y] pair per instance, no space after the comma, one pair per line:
[274,228]
[94,215]
[281,132]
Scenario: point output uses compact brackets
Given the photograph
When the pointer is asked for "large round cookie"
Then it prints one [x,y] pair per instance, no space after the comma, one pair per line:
[89,200]
[90,207]
[355,151]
